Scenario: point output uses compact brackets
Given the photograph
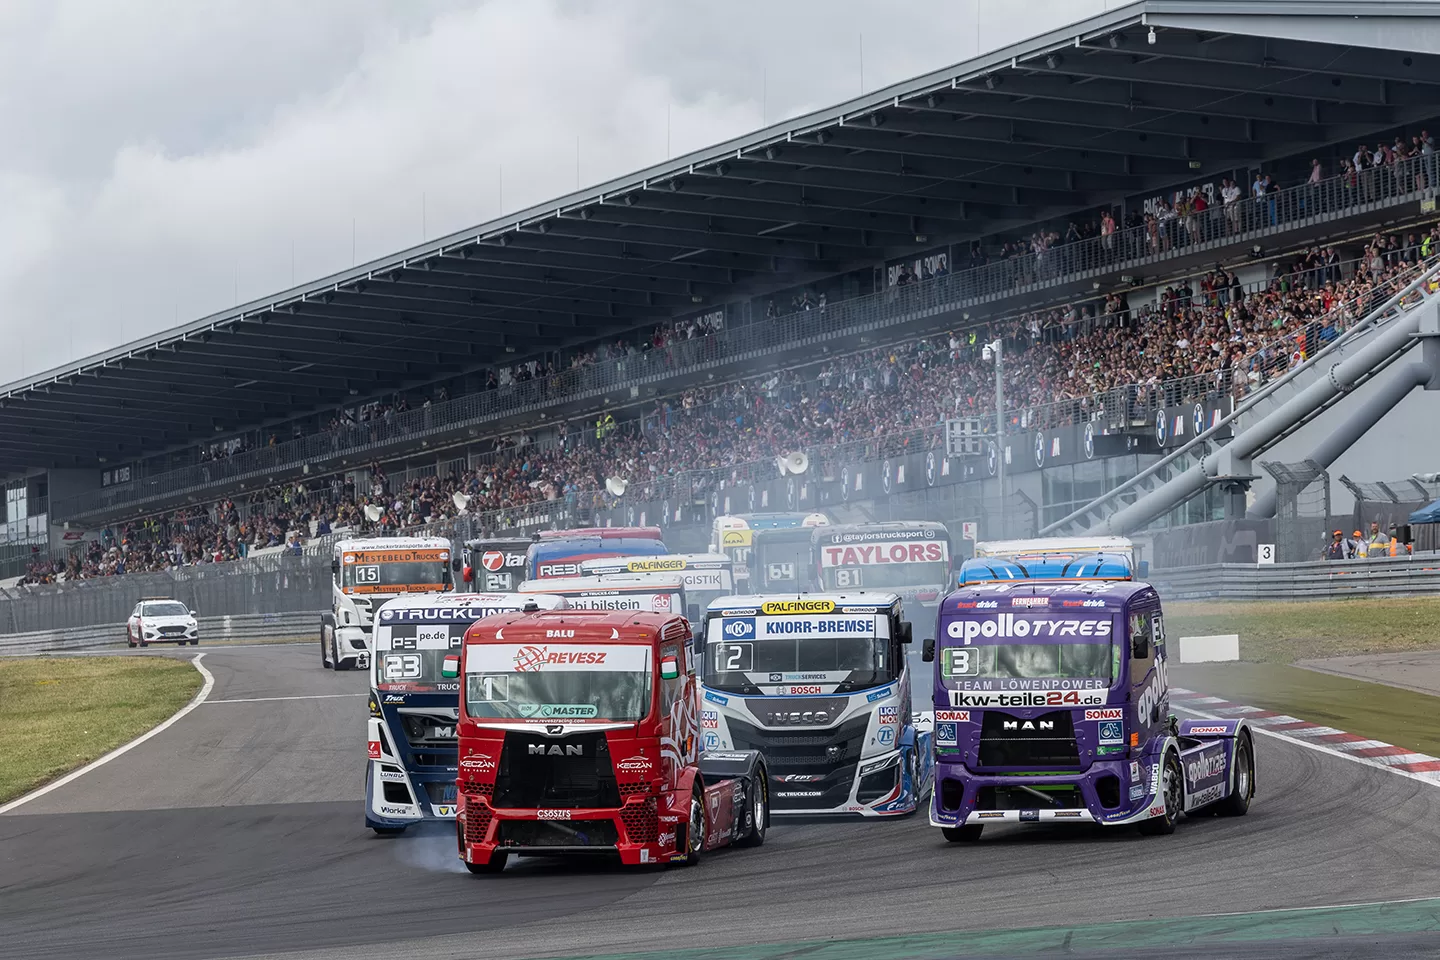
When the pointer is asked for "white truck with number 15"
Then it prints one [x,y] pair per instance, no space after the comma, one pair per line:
[365,574]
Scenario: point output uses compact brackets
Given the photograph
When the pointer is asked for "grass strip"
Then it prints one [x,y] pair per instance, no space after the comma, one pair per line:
[1283,631]
[59,713]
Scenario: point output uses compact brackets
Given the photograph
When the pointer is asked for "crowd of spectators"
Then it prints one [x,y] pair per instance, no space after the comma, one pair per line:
[1206,329]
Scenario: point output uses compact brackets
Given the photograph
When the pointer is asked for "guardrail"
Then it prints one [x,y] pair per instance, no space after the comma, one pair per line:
[1318,580]
[256,626]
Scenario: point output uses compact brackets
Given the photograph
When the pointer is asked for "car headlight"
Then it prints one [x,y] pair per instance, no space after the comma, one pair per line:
[878,765]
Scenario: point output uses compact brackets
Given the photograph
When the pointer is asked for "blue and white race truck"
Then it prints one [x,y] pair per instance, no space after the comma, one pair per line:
[819,684]
[415,702]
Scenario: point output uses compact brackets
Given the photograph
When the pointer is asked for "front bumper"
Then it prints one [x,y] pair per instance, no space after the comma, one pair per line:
[865,799]
[1135,794]
[353,642]
[642,831]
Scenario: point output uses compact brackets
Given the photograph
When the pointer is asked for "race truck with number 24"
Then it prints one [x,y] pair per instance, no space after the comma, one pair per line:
[1052,706]
[580,734]
[415,702]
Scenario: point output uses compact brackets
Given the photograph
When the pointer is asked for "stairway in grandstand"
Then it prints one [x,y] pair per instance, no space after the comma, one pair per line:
[1278,409]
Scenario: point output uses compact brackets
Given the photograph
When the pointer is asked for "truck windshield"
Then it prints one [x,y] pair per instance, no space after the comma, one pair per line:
[885,576]
[811,654]
[413,671]
[394,576]
[1033,661]
[557,682]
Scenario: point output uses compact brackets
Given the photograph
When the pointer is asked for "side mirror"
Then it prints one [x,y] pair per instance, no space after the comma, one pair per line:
[927,650]
[907,632]
[455,564]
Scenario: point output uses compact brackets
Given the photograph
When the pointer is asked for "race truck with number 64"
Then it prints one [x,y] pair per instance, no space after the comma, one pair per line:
[1052,706]
[580,734]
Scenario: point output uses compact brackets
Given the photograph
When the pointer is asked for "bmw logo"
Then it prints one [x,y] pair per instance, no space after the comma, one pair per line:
[1039,449]
[1162,428]
[930,469]
[886,469]
[1199,419]
[1089,441]
[992,458]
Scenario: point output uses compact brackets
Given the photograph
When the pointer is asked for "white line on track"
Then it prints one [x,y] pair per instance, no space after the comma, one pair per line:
[316,696]
[195,701]
[1320,748]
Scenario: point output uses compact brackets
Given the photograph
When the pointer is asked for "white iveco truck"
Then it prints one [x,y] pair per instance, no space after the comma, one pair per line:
[365,574]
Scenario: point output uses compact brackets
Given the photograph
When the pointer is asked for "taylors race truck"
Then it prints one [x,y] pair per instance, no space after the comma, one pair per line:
[366,573]
[496,565]
[707,576]
[1051,705]
[580,734]
[559,553]
[415,702]
[657,592]
[910,557]
[733,536]
[821,686]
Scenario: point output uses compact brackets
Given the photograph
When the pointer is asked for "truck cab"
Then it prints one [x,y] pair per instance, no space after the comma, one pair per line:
[415,702]
[580,735]
[733,535]
[1051,704]
[819,683]
[494,565]
[559,553]
[365,574]
[706,576]
[653,592]
[909,557]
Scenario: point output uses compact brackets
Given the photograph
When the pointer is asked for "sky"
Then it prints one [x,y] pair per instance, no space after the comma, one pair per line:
[167,159]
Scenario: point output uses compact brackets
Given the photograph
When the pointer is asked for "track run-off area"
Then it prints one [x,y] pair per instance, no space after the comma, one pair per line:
[237,831]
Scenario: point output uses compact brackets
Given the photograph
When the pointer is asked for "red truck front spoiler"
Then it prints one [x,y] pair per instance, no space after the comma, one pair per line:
[643,830]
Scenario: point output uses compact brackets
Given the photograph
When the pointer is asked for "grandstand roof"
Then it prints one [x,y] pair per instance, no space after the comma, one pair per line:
[1083,115]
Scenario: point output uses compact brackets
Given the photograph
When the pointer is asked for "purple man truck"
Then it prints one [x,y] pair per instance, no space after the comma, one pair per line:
[1051,706]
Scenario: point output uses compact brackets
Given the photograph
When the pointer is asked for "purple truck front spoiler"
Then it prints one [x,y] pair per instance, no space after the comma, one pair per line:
[1135,790]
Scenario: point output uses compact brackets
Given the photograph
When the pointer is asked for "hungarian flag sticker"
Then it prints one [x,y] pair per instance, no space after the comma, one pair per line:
[450,668]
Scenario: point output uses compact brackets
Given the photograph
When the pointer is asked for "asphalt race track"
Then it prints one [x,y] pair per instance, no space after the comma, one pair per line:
[238,832]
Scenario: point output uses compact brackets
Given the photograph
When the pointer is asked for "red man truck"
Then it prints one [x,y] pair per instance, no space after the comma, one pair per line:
[580,734]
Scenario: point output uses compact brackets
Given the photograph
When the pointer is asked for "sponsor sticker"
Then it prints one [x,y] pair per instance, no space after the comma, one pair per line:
[393,810]
[712,740]
[1029,601]
[946,735]
[477,763]
[1209,730]
[392,776]
[797,606]
[1082,603]
[889,714]
[1137,791]
[635,764]
[716,698]
[1135,770]
[976,604]
[1067,814]
[552,814]
[990,815]
[953,716]
[879,694]
[710,719]
[1109,713]
[740,628]
[1026,698]
[885,736]
[1111,731]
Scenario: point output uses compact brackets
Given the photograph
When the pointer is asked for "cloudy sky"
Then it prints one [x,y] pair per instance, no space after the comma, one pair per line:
[165,159]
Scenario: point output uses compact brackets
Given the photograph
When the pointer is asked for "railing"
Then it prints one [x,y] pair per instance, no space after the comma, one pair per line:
[1415,576]
[1213,228]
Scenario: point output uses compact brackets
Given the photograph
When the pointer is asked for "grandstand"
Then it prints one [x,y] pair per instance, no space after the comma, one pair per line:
[1158,212]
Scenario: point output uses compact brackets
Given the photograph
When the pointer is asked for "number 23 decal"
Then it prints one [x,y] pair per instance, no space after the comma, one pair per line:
[402,666]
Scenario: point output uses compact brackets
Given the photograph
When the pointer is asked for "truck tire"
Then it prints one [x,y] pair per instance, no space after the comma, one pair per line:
[695,830]
[496,864]
[1172,788]
[324,653]
[966,834]
[335,652]
[1238,803]
[757,802]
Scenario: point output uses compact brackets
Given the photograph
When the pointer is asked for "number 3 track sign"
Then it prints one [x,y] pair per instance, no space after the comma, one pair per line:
[1264,554]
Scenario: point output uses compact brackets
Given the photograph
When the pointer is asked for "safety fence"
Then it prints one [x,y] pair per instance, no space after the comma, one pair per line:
[258,627]
[1388,577]
[1210,230]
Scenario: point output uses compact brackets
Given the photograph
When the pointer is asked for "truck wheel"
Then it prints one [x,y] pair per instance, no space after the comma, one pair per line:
[1238,803]
[335,652]
[324,654]
[759,809]
[496,864]
[695,831]
[966,834]
[1172,788]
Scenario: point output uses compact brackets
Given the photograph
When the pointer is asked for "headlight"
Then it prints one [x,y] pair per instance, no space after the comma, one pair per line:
[879,765]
